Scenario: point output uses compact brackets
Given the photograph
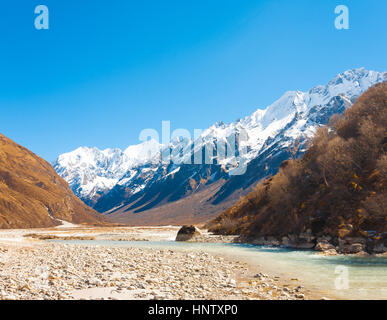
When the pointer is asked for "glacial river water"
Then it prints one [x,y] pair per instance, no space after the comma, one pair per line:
[343,277]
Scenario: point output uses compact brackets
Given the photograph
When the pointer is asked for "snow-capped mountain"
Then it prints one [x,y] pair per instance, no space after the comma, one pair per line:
[92,172]
[138,179]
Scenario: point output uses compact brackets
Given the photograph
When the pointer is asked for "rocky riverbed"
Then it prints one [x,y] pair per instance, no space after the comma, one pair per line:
[37,269]
[62,271]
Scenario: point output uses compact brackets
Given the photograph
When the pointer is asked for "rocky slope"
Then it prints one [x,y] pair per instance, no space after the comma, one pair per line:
[33,195]
[332,199]
[126,183]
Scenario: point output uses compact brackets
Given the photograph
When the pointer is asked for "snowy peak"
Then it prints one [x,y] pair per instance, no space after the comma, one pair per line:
[348,85]
[92,172]
[290,103]
[143,153]
[351,84]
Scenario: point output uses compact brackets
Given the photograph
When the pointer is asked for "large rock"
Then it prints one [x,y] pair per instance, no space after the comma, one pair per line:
[303,245]
[323,246]
[330,252]
[187,233]
[352,248]
[260,241]
[303,241]
[272,241]
[380,248]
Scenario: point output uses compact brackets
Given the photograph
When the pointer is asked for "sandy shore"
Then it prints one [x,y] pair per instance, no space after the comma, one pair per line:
[31,268]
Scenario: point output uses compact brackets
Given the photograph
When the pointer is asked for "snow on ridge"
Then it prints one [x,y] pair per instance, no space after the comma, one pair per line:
[90,171]
[143,153]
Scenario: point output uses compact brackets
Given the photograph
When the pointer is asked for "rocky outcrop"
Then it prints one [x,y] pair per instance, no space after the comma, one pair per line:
[326,244]
[352,245]
[187,233]
[380,248]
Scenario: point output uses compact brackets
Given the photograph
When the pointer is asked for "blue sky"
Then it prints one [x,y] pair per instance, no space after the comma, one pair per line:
[105,70]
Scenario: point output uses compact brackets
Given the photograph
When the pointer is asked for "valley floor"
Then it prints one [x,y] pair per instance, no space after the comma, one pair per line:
[32,268]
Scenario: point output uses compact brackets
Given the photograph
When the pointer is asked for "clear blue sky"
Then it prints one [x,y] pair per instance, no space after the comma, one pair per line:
[105,70]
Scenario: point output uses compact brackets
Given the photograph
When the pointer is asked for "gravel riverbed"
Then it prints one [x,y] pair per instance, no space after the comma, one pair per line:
[44,270]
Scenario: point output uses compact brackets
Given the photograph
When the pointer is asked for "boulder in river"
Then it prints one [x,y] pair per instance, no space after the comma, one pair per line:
[187,233]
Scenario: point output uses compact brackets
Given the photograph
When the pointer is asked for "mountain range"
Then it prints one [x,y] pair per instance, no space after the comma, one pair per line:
[137,185]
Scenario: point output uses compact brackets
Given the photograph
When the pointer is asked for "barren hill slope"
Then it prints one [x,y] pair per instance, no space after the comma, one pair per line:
[33,195]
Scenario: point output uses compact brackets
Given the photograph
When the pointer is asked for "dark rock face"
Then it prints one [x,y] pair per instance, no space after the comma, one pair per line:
[325,244]
[187,233]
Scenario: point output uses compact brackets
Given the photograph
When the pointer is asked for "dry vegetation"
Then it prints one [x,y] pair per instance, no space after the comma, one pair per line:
[338,188]
[33,195]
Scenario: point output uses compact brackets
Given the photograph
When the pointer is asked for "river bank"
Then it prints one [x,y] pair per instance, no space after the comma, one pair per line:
[326,245]
[31,268]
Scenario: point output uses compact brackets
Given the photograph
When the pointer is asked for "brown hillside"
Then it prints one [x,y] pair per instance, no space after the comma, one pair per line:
[338,189]
[33,195]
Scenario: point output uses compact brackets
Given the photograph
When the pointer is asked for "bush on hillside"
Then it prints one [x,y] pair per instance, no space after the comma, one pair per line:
[340,181]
